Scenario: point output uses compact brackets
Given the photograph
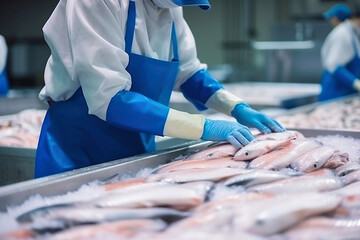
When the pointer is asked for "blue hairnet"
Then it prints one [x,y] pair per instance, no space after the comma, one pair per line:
[340,11]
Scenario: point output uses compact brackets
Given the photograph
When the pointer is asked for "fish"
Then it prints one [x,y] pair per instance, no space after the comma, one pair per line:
[280,136]
[231,201]
[56,218]
[201,174]
[257,148]
[206,233]
[301,147]
[313,160]
[177,196]
[338,159]
[267,158]
[129,186]
[122,184]
[318,181]
[348,190]
[19,234]
[347,168]
[222,150]
[325,228]
[352,177]
[352,201]
[227,162]
[126,229]
[257,176]
[214,215]
[276,214]
[349,208]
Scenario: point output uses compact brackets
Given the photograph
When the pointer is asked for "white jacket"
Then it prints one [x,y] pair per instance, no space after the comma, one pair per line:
[338,48]
[87,42]
[3,53]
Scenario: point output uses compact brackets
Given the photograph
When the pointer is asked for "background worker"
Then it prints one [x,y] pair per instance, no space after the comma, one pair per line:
[109,78]
[4,84]
[340,54]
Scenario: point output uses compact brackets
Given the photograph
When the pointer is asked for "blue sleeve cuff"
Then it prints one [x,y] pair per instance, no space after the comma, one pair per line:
[344,76]
[134,111]
[4,85]
[199,88]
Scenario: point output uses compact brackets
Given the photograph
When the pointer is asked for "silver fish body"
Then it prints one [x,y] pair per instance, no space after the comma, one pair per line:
[305,183]
[180,165]
[255,177]
[218,151]
[347,168]
[191,175]
[280,136]
[277,214]
[325,228]
[301,147]
[313,160]
[173,195]
[257,148]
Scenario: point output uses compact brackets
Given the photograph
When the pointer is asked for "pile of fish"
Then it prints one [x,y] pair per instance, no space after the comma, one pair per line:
[344,115]
[280,186]
[21,129]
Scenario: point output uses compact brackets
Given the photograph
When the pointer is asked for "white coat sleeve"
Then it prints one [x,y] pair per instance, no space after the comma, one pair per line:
[3,53]
[337,51]
[96,32]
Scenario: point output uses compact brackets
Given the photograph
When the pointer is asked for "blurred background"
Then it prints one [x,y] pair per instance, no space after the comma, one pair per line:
[229,39]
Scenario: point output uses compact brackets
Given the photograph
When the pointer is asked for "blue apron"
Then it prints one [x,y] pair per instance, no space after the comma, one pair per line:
[333,87]
[4,85]
[71,138]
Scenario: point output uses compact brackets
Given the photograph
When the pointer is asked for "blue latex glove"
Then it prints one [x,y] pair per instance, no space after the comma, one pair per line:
[248,116]
[233,132]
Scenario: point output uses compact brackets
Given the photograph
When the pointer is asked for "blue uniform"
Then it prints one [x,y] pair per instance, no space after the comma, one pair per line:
[4,84]
[103,141]
[338,82]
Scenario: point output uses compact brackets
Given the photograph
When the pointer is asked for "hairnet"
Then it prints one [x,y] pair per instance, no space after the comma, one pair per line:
[340,11]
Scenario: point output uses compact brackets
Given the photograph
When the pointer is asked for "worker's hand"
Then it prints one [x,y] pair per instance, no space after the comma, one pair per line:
[248,116]
[233,132]
[356,85]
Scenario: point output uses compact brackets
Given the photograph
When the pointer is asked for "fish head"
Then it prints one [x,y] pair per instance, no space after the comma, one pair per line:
[245,154]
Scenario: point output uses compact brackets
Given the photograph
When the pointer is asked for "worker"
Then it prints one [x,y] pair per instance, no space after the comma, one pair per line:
[340,55]
[4,84]
[337,14]
[108,81]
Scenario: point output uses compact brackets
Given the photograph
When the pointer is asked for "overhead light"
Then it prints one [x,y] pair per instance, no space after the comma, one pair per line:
[282,45]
